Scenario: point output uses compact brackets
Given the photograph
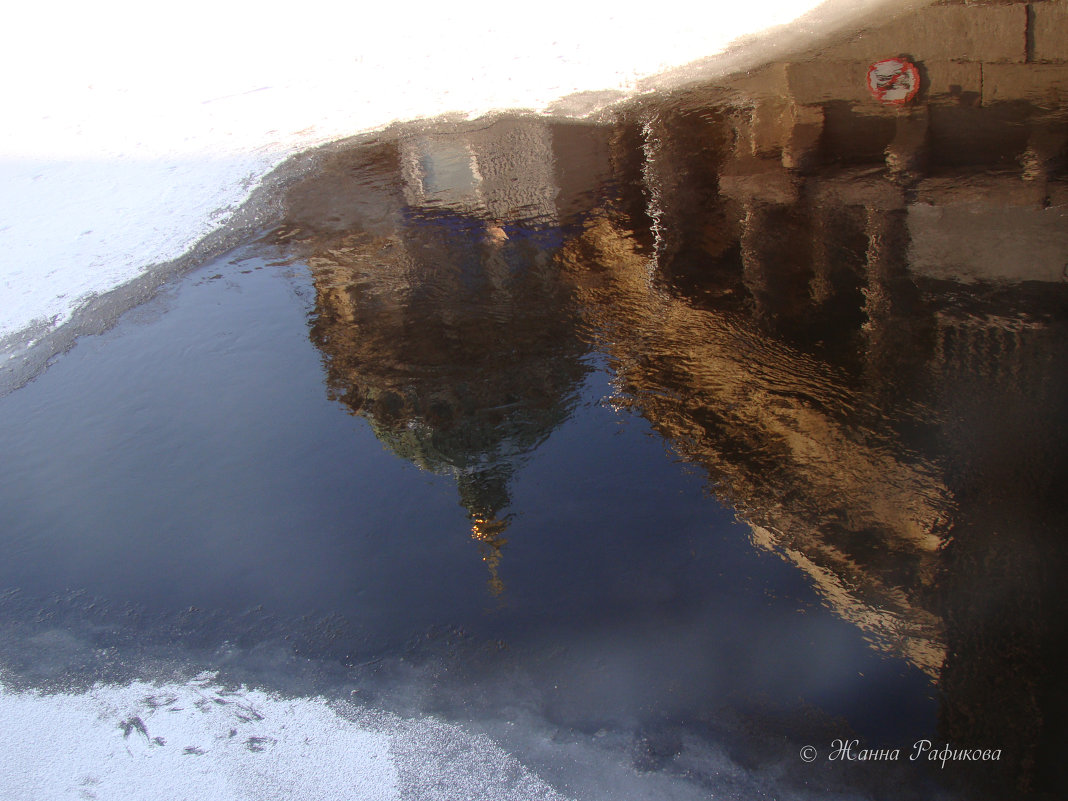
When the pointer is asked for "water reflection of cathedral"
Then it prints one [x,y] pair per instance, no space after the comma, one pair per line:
[439,310]
[851,316]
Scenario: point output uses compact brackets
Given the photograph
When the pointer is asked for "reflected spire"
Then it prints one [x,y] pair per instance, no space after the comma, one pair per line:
[483,493]
[488,531]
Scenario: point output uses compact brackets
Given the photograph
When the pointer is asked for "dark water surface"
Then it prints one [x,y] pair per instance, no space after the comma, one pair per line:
[733,424]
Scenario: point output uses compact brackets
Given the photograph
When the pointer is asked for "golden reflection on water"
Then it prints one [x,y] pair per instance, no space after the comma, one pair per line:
[770,426]
[827,304]
[459,342]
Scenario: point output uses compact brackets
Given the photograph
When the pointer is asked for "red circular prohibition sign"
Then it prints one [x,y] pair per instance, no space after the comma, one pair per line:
[894,81]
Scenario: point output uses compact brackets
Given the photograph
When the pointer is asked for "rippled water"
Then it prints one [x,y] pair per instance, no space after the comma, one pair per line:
[728,425]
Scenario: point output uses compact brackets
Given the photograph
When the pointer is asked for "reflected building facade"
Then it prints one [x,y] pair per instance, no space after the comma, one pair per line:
[853,317]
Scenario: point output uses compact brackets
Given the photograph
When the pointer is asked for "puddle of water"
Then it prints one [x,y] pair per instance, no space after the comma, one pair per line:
[656,449]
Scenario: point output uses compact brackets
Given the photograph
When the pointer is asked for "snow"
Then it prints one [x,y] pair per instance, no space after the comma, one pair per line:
[186,741]
[198,740]
[133,131]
